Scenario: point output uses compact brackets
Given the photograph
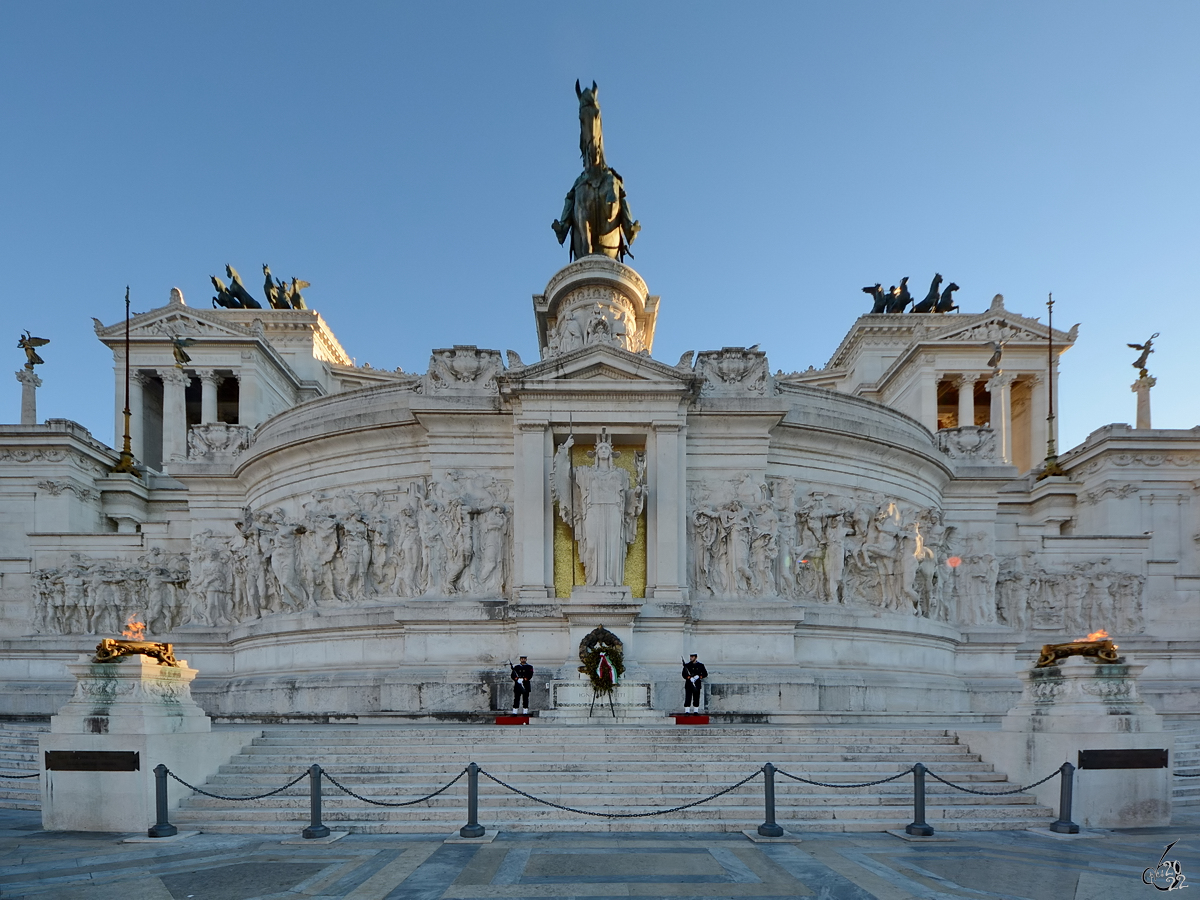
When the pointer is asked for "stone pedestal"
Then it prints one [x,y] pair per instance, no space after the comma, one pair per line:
[1083,705]
[1141,387]
[571,703]
[30,382]
[131,706]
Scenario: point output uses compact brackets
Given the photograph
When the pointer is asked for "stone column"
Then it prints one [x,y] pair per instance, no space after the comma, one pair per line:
[30,382]
[174,414]
[1141,387]
[928,395]
[209,381]
[1000,387]
[533,513]
[966,400]
[247,397]
[1038,410]
[137,415]
[667,540]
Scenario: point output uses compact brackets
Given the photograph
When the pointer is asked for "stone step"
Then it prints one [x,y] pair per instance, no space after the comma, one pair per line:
[330,757]
[620,769]
[19,756]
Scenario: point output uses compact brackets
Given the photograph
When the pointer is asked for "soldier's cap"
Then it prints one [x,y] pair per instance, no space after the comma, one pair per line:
[693,656]
[524,657]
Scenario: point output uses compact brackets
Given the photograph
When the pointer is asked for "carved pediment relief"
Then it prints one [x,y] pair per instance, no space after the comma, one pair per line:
[172,321]
[602,362]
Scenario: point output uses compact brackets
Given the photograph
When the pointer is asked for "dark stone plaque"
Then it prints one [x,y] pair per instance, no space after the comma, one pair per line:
[1122,759]
[94,760]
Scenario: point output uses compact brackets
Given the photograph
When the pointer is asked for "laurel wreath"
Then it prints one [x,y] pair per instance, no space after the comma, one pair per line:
[600,641]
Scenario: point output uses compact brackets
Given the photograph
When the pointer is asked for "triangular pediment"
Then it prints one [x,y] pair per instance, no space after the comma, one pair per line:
[171,321]
[1003,327]
[601,363]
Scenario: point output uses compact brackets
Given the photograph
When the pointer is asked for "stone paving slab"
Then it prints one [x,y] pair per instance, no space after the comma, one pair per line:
[996,865]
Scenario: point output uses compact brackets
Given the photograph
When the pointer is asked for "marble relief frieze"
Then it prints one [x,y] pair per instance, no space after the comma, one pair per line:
[445,538]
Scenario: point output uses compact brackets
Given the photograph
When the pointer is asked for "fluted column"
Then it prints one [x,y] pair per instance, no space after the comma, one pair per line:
[209,382]
[1000,387]
[174,414]
[30,382]
[966,399]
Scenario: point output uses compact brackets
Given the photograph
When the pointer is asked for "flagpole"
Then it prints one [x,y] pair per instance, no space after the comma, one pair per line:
[1051,466]
[126,464]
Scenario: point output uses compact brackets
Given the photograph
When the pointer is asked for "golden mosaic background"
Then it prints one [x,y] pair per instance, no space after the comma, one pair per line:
[568,570]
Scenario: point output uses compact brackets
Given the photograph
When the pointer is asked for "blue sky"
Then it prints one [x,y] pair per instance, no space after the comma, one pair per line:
[408,160]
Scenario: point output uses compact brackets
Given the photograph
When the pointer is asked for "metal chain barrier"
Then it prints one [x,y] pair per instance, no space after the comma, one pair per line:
[192,787]
[1176,774]
[337,784]
[965,790]
[835,784]
[34,775]
[605,815]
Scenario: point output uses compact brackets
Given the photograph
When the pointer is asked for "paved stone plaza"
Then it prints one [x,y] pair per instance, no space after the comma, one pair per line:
[1002,864]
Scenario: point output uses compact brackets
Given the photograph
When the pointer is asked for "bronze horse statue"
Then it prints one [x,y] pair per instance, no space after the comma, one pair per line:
[596,212]
[929,304]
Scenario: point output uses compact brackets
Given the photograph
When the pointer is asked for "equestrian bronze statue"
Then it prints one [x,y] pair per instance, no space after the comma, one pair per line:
[596,214]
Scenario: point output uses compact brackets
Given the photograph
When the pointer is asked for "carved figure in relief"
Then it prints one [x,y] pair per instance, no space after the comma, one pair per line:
[601,505]
[285,561]
[408,554]
[321,538]
[270,562]
[491,539]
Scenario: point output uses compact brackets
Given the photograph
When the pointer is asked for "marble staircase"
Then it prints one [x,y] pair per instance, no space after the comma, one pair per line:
[1186,791]
[18,756]
[623,769]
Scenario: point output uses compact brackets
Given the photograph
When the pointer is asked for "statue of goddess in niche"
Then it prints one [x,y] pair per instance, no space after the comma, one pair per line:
[602,506]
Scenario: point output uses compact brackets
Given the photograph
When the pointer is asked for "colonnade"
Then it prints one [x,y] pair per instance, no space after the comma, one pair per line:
[174,422]
[1018,410]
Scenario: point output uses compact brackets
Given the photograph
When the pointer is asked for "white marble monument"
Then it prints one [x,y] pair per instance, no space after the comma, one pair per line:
[861,541]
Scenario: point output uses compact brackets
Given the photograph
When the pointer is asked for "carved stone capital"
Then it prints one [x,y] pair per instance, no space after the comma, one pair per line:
[211,378]
[966,380]
[1000,381]
[29,378]
[1143,384]
[174,377]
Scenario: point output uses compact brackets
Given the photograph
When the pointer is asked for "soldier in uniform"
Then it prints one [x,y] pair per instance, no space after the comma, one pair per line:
[694,674]
[522,674]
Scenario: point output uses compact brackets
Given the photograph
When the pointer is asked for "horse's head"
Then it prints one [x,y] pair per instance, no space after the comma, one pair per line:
[587,96]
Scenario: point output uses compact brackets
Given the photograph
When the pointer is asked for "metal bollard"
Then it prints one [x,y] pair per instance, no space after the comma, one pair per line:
[769,828]
[472,829]
[315,828]
[919,827]
[1066,790]
[162,828]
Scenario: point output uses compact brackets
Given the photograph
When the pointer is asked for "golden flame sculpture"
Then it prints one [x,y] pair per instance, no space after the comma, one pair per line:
[1096,646]
[130,644]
